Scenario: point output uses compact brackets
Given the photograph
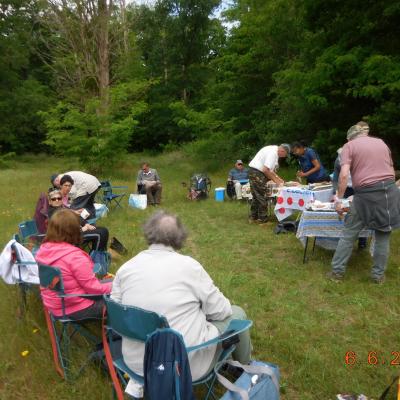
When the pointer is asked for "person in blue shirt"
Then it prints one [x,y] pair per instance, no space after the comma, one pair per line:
[311,167]
[236,178]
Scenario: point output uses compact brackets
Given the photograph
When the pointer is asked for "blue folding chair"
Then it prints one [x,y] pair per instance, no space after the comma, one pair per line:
[138,324]
[62,329]
[23,286]
[29,233]
[109,196]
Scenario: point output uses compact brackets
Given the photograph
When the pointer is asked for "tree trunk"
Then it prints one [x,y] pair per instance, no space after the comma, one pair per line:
[124,25]
[103,68]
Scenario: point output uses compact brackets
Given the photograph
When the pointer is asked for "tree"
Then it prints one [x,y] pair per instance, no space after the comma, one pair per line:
[78,48]
[22,79]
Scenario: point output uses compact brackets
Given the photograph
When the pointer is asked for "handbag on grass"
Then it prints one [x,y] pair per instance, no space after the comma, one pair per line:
[118,246]
[259,381]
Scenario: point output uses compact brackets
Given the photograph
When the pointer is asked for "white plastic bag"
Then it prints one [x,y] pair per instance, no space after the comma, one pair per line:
[138,201]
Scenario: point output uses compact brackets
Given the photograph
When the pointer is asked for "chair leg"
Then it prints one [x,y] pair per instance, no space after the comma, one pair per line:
[22,306]
[64,345]
[54,345]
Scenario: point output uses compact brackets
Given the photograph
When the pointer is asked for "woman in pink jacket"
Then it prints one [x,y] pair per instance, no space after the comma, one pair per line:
[59,249]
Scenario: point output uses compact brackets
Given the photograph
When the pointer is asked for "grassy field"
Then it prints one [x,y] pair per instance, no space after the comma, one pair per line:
[302,322]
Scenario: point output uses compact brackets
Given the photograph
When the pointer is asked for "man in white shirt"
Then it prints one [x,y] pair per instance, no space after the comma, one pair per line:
[263,168]
[176,286]
[83,191]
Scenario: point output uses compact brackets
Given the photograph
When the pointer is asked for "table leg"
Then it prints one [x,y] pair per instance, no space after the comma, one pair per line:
[305,251]
[313,247]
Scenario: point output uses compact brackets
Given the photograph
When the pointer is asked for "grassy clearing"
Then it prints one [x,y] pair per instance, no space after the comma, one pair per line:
[301,322]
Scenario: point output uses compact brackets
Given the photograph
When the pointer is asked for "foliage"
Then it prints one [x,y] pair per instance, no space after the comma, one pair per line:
[270,71]
[5,160]
[97,140]
[23,86]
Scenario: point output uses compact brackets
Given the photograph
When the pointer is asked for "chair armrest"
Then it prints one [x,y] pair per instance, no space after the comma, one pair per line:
[25,262]
[235,327]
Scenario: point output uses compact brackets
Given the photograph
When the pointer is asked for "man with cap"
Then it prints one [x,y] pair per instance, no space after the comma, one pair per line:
[236,178]
[376,201]
[83,190]
[263,168]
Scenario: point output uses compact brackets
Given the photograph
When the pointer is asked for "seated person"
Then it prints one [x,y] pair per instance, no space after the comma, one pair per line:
[182,292]
[60,249]
[311,167]
[236,178]
[148,182]
[97,236]
[41,211]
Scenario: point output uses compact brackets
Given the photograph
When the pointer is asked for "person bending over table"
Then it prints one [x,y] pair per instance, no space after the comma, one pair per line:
[262,169]
[83,191]
[60,249]
[311,167]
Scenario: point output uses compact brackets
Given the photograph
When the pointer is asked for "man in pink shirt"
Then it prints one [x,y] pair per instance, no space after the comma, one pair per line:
[376,203]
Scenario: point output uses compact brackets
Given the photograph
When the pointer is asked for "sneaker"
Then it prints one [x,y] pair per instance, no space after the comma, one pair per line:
[252,221]
[262,221]
[332,276]
[380,280]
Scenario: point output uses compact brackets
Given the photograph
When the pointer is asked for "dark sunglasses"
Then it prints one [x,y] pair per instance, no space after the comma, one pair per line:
[56,198]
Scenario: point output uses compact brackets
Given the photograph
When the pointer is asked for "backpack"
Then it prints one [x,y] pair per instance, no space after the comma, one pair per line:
[166,367]
[287,227]
[101,260]
[200,185]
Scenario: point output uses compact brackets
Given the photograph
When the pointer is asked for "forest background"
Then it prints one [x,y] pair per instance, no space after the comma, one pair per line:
[99,78]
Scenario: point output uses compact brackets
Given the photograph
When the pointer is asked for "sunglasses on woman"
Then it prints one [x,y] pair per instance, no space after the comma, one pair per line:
[56,199]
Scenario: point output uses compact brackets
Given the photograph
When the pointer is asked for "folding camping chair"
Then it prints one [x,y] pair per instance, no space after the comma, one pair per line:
[23,286]
[138,324]
[110,196]
[60,337]
[29,235]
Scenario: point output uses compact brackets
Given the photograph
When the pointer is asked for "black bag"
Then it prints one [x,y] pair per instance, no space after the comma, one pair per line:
[118,246]
[287,227]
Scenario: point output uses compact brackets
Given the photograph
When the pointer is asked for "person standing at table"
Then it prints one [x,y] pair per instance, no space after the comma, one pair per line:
[376,201]
[311,167]
[362,241]
[262,168]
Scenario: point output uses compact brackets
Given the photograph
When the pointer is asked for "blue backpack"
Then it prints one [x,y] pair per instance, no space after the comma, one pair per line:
[166,367]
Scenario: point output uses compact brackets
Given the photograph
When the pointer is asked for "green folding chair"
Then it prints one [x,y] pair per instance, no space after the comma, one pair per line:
[138,324]
[29,234]
[63,329]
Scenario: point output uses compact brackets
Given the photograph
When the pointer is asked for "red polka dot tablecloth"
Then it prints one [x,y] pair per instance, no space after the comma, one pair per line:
[291,199]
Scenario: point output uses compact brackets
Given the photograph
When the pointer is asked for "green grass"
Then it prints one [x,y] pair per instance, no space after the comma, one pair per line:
[302,322]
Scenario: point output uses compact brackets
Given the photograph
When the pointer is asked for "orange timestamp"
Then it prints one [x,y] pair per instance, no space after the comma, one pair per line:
[351,358]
